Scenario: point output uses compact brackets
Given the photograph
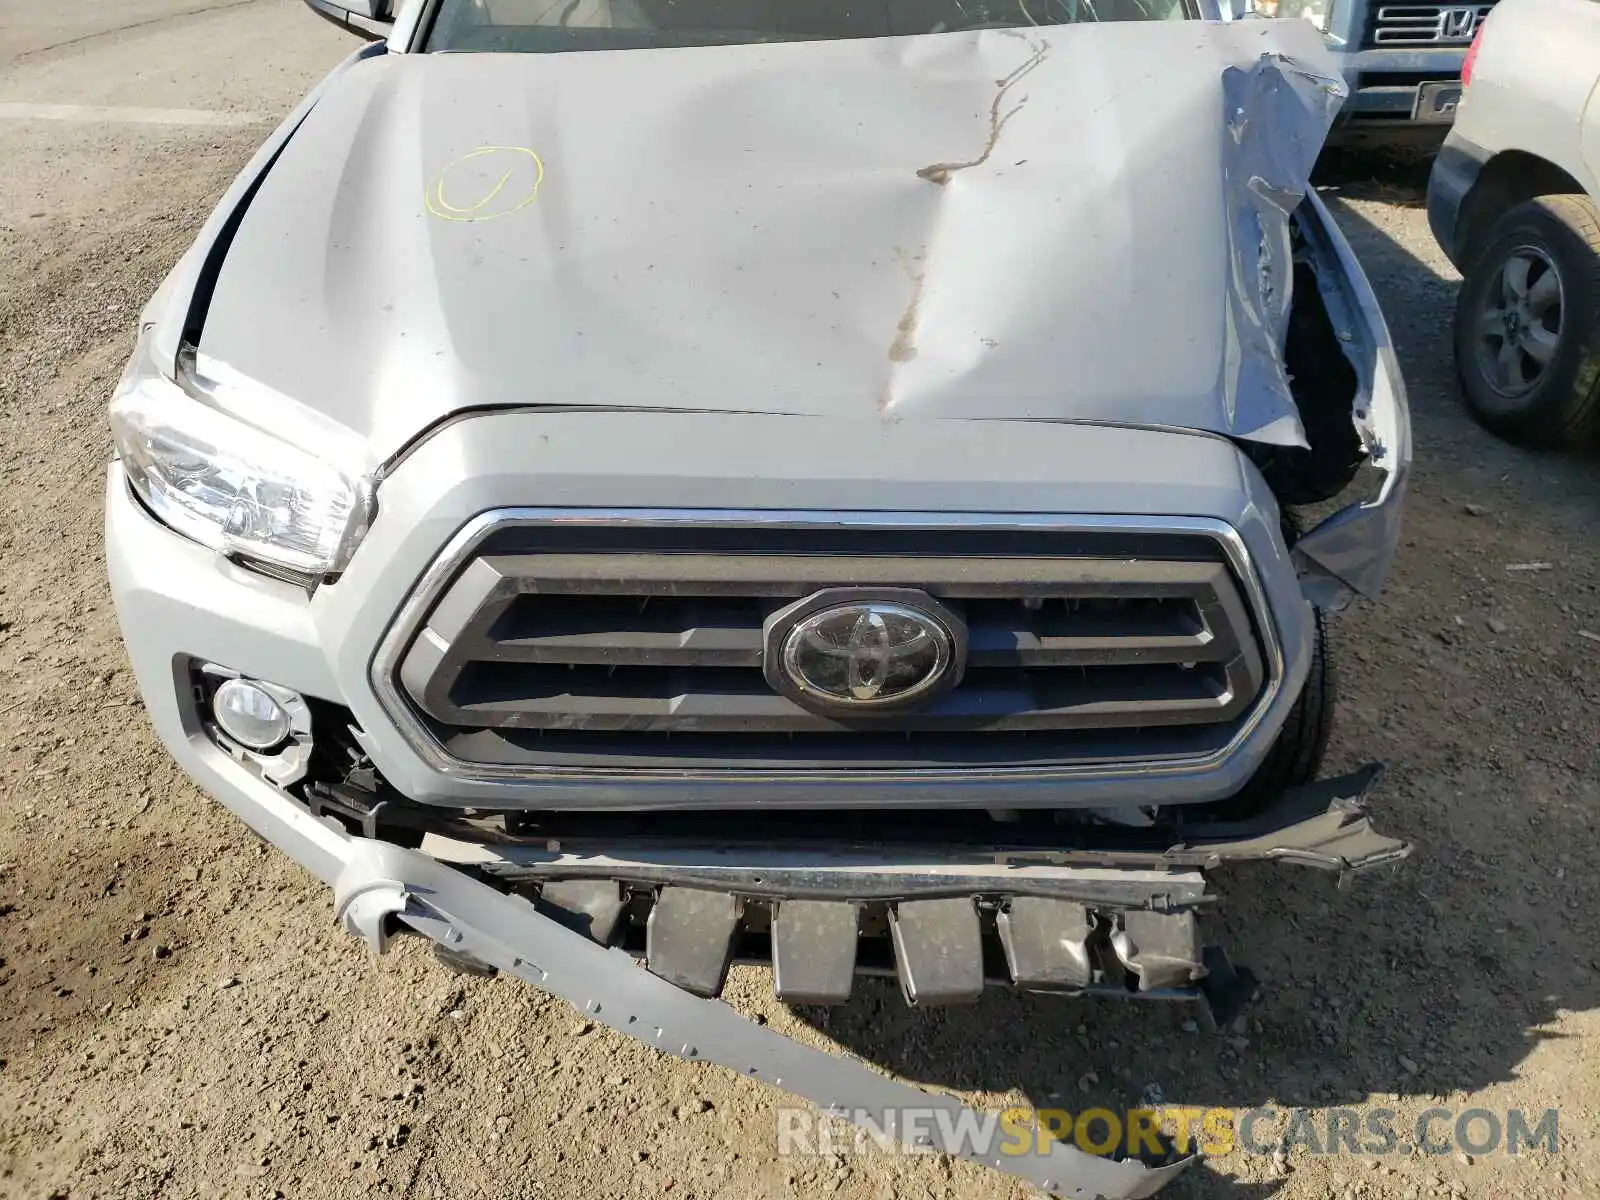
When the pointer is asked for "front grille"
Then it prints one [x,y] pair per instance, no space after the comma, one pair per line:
[560,645]
[1425,24]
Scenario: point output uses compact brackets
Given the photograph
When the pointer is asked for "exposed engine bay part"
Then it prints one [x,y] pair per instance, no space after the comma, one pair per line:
[1324,385]
[1047,943]
[589,906]
[690,937]
[814,950]
[942,950]
[938,950]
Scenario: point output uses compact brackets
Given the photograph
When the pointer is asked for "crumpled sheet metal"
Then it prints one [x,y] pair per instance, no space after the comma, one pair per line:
[1350,552]
[381,882]
[1323,824]
[1081,223]
[1074,223]
[1278,113]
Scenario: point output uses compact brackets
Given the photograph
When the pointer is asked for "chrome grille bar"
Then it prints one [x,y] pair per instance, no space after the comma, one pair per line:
[1394,25]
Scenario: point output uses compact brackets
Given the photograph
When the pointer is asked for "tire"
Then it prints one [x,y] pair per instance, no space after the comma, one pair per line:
[1533,376]
[1296,757]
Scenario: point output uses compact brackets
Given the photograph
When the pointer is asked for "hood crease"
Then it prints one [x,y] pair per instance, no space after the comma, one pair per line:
[785,229]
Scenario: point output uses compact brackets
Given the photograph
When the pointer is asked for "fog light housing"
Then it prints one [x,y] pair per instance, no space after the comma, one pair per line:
[265,726]
[251,715]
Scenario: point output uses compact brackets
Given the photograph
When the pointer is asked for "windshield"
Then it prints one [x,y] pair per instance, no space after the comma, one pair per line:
[554,25]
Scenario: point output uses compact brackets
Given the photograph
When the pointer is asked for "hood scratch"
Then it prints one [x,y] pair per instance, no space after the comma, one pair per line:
[904,346]
[940,173]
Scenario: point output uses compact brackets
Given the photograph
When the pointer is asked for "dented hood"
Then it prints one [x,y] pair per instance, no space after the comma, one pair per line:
[1083,222]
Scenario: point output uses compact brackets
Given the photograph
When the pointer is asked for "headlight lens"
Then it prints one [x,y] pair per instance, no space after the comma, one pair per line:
[232,486]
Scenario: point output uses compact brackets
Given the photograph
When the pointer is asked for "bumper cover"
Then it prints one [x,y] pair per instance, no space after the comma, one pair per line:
[380,881]
[1455,173]
[1384,84]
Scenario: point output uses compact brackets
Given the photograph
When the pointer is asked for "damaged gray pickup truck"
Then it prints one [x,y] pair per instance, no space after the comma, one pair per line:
[624,488]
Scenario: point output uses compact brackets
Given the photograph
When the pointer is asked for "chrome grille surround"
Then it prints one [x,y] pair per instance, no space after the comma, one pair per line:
[1393,25]
[411,629]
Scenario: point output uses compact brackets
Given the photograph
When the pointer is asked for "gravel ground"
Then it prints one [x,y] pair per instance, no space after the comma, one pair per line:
[179,1017]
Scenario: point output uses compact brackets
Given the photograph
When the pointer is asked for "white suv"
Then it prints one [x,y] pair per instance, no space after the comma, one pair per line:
[1512,201]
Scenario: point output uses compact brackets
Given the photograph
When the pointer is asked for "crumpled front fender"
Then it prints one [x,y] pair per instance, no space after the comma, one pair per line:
[1350,552]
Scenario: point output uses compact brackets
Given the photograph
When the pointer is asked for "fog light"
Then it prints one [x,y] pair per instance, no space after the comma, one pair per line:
[251,715]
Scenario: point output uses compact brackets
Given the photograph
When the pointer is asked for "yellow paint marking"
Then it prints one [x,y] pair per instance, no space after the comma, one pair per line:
[523,166]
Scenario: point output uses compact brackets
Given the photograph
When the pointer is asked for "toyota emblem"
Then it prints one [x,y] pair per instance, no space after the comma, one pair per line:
[866,654]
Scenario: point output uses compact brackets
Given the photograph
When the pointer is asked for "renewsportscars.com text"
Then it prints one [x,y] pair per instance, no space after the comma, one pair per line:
[1210,1131]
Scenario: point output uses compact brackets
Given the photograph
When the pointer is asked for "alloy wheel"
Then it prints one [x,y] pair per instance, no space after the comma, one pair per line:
[1519,323]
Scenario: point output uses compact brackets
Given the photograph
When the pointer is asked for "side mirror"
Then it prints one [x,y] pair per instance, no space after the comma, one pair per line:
[371,19]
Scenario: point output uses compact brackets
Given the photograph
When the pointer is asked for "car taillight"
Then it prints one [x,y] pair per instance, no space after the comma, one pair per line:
[1472,57]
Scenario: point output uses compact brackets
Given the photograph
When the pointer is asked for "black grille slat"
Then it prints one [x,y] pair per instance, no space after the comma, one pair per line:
[566,655]
[1062,632]
[1003,648]
[608,750]
[1080,617]
[678,630]
[695,647]
[620,630]
[708,700]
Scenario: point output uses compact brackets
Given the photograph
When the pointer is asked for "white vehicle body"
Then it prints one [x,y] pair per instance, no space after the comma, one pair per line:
[1512,202]
[1529,124]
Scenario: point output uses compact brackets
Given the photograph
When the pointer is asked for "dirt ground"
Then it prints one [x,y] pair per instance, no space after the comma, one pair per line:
[179,1017]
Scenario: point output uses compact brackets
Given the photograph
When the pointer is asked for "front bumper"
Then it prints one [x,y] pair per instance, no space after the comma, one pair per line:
[382,889]
[1385,85]
[380,883]
[1455,173]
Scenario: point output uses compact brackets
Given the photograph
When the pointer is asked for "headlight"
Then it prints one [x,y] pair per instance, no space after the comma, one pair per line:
[198,457]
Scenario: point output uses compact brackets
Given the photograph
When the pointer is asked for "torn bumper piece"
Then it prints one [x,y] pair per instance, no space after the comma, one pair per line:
[1057,913]
[382,884]
[1115,914]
